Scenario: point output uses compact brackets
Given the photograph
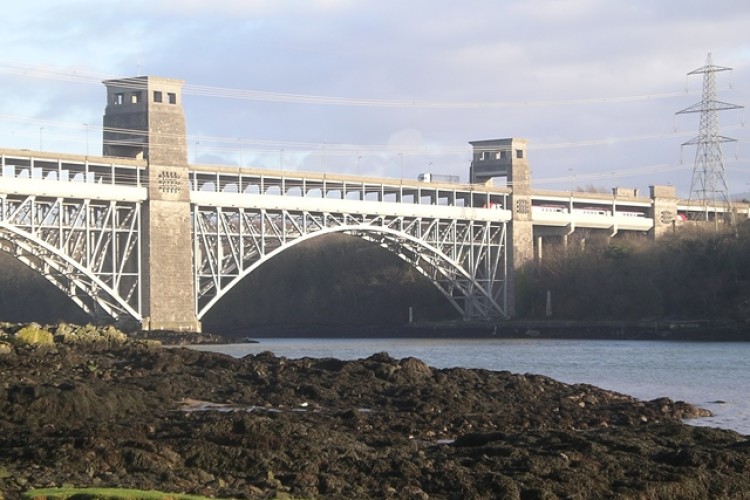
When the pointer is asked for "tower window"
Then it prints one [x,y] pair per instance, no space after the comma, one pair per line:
[172,97]
[519,153]
[503,155]
[157,96]
[485,155]
[135,97]
[119,98]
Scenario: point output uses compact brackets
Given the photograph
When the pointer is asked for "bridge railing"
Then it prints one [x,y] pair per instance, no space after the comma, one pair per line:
[38,166]
[27,173]
[344,187]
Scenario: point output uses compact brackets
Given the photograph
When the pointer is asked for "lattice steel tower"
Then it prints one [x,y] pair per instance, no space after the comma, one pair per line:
[709,184]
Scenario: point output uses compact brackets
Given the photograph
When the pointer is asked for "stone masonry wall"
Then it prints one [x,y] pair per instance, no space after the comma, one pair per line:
[169,296]
[521,237]
[664,208]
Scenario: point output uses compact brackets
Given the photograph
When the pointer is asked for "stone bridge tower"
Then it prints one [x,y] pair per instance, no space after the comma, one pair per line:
[507,158]
[144,119]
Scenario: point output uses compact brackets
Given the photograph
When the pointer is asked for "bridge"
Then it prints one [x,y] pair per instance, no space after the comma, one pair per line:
[139,235]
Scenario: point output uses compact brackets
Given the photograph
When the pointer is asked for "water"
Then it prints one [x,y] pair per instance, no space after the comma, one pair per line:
[715,376]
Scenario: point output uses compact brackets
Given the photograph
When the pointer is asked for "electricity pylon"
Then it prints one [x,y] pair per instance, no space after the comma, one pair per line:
[708,186]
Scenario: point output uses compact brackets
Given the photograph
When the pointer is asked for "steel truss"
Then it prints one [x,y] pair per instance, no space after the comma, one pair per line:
[465,259]
[89,249]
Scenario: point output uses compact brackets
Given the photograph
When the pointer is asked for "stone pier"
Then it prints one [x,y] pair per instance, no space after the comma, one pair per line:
[144,119]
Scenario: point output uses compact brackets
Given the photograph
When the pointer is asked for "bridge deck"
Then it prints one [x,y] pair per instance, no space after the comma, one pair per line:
[309,191]
[24,172]
[60,176]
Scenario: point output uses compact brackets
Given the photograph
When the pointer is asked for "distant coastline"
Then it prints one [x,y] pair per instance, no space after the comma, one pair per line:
[679,330]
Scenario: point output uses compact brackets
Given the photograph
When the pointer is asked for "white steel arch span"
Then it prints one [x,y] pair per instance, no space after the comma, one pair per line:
[88,248]
[85,287]
[465,259]
[77,221]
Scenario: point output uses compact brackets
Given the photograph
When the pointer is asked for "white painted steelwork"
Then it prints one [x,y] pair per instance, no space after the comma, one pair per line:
[78,224]
[448,233]
[77,220]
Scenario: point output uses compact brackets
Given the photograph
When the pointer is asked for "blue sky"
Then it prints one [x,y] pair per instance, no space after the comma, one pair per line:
[593,84]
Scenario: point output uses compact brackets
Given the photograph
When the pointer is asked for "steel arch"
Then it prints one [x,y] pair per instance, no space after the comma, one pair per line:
[65,273]
[465,259]
[391,241]
[465,292]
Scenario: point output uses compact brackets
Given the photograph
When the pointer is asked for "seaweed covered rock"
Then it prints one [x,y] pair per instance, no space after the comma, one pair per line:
[33,335]
[88,334]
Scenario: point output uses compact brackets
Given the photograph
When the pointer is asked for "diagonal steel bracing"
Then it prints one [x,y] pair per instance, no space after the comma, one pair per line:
[87,248]
[465,259]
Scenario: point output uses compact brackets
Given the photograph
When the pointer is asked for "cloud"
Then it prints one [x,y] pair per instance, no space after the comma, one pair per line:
[531,51]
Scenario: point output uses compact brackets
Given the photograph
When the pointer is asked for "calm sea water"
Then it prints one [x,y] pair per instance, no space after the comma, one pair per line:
[715,376]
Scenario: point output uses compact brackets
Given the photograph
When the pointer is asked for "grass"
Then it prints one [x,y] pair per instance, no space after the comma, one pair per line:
[103,494]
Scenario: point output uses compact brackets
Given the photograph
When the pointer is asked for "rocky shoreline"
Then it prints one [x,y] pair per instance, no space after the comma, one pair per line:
[93,407]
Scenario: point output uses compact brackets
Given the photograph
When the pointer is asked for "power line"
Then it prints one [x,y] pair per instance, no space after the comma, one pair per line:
[641,171]
[77,76]
[220,144]
[235,142]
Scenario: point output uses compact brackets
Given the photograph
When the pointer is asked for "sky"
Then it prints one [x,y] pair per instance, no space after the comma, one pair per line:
[394,88]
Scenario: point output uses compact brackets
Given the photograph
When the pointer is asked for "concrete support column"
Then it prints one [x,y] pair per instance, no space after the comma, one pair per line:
[539,248]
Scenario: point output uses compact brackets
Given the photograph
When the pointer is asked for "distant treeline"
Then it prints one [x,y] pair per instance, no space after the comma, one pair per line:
[695,274]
